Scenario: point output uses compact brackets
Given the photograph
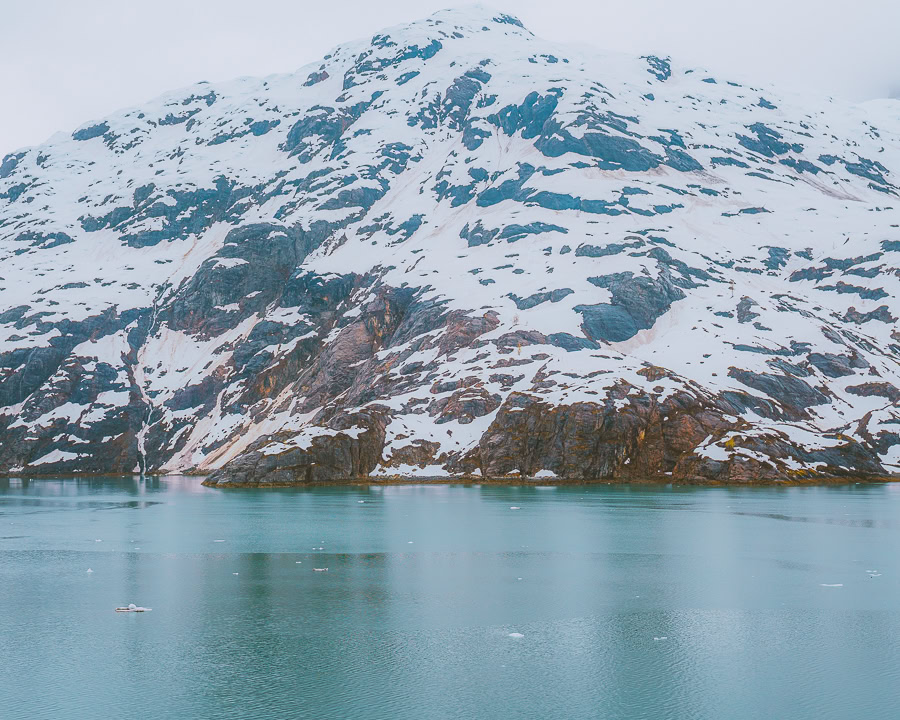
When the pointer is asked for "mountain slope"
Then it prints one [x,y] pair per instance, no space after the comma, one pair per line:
[457,249]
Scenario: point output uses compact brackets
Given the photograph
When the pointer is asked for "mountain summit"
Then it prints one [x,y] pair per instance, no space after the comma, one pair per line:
[457,250]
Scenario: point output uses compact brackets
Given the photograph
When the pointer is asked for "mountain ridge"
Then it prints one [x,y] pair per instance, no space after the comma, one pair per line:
[456,250]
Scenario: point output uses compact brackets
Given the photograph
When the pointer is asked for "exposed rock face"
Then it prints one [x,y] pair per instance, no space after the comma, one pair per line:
[320,454]
[456,250]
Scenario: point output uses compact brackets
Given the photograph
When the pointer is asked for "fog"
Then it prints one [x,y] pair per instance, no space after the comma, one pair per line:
[63,63]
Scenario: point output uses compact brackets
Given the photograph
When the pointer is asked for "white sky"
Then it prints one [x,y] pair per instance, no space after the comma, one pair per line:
[64,62]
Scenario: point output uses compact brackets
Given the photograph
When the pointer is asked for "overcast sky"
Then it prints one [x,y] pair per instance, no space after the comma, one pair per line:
[64,62]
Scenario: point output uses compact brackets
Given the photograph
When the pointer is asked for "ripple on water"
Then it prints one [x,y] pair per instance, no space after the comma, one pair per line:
[592,602]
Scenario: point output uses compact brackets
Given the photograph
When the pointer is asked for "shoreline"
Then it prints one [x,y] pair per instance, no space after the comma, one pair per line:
[562,482]
[474,480]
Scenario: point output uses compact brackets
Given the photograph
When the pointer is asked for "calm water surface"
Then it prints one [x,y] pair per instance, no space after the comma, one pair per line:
[631,603]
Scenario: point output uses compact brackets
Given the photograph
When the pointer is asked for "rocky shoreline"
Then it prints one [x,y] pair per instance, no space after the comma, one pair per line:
[812,480]
[817,481]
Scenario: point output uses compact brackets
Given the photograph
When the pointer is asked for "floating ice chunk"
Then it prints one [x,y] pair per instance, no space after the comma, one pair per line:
[360,501]
[234,573]
[298,562]
[89,570]
[321,569]
[133,608]
[832,584]
[514,507]
[218,541]
[516,635]
[410,542]
[662,637]
[98,540]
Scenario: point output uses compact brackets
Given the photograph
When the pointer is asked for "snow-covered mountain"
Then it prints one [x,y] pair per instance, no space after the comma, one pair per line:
[457,249]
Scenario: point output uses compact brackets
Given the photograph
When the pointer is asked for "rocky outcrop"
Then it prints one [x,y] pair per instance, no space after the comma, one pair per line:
[349,447]
[644,441]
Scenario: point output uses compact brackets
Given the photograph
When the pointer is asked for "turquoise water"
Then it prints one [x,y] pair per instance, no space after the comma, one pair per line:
[631,602]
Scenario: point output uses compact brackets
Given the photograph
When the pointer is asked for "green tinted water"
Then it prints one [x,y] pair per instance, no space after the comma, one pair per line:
[631,602]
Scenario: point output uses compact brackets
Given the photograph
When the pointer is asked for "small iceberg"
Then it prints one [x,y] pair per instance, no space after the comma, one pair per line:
[133,608]
[516,635]
[515,507]
[89,570]
[321,569]
[832,584]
